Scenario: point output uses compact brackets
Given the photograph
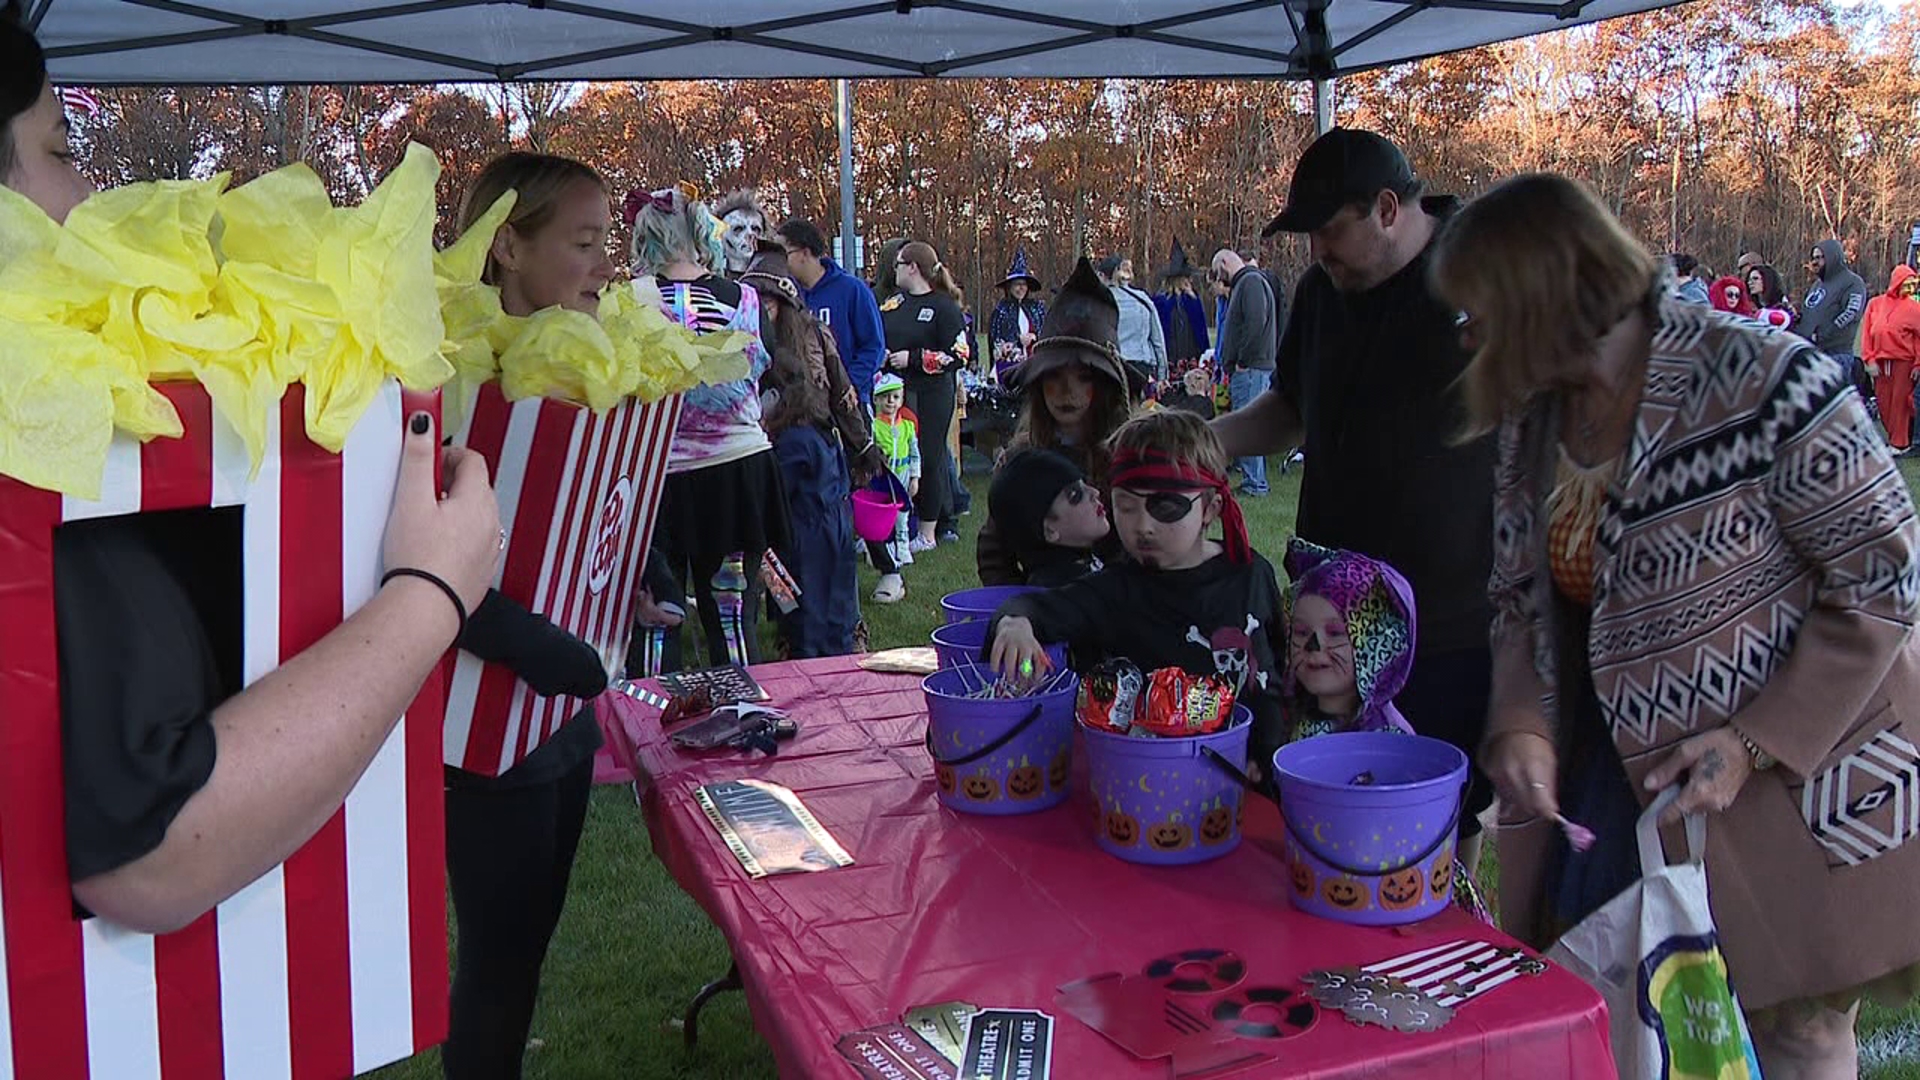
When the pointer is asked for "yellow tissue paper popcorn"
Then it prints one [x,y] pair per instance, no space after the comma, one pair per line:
[245,291]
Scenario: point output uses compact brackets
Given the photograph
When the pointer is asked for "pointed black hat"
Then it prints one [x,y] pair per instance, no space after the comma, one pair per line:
[1083,326]
[1177,264]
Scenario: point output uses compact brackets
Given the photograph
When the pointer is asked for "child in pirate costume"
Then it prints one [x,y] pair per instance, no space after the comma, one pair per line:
[1350,627]
[1179,599]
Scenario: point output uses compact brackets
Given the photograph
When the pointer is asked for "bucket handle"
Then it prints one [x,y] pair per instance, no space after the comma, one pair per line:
[1351,871]
[1006,737]
[1219,761]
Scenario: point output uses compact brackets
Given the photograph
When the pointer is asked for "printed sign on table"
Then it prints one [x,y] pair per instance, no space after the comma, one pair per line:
[891,1052]
[1008,1044]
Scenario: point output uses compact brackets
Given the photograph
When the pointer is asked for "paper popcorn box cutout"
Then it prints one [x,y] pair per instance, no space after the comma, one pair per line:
[579,493]
[329,965]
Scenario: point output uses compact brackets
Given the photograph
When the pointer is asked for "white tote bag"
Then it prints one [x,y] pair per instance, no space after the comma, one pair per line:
[1652,952]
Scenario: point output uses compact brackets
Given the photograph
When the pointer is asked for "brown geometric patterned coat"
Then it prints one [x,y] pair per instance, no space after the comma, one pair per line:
[1755,562]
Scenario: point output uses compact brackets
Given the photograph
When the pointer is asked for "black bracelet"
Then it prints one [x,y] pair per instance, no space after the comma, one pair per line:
[453,598]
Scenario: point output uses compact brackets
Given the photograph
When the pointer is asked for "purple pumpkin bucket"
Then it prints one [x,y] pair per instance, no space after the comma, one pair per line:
[958,645]
[998,755]
[1168,802]
[970,604]
[1371,821]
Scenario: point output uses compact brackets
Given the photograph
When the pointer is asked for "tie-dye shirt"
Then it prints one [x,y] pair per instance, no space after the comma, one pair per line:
[721,423]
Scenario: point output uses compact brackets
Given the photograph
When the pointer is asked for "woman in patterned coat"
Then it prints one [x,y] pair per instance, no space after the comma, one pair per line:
[1704,575]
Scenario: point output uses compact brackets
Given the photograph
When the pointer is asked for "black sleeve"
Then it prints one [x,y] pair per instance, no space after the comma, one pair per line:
[138,685]
[545,657]
[658,579]
[1287,357]
[1078,613]
[949,329]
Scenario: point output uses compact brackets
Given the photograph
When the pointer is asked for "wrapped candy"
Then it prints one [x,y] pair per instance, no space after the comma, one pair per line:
[1179,703]
[1110,696]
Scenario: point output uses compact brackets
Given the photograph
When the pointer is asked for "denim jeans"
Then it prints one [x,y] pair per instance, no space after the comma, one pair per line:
[1243,386]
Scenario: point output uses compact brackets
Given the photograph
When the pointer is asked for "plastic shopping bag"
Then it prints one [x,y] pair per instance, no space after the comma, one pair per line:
[1653,953]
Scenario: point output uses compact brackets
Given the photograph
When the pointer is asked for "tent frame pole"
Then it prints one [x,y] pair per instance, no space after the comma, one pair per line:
[849,242]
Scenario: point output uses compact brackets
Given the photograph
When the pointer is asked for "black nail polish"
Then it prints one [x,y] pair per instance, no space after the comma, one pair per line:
[422,423]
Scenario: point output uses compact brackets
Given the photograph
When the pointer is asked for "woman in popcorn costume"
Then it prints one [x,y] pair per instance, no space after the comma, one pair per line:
[511,839]
[181,787]
[1350,634]
[724,506]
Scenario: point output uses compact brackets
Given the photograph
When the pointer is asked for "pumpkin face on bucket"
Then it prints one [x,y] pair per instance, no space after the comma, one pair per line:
[1302,879]
[1346,893]
[1169,836]
[943,776]
[1440,878]
[1216,825]
[1122,829]
[1026,782]
[980,787]
[1402,889]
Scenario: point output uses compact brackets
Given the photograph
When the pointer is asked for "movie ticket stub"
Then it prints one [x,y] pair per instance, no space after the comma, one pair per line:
[892,1052]
[1008,1044]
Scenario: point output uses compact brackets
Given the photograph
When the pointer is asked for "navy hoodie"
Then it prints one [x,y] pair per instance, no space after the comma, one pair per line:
[845,305]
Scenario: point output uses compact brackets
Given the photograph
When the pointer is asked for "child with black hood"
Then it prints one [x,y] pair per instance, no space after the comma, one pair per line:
[1049,515]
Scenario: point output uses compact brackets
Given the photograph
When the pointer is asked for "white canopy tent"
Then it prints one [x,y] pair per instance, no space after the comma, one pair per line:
[105,42]
[112,42]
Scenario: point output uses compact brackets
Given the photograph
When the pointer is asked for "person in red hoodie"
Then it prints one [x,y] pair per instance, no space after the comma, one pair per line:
[1890,342]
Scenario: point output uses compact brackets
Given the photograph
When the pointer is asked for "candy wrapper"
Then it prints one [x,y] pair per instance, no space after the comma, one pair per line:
[1179,703]
[1110,695]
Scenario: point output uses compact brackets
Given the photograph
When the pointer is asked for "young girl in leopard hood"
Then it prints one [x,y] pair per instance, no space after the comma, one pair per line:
[1350,633]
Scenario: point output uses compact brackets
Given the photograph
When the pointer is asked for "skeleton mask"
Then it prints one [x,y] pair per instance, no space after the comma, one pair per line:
[745,227]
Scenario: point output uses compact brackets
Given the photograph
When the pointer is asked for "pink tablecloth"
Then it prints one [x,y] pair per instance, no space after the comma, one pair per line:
[942,906]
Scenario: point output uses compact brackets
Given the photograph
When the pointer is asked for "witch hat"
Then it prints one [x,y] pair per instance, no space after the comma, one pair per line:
[1019,272]
[1177,264]
[1082,326]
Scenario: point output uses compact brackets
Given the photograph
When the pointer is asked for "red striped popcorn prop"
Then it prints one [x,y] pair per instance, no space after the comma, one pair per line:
[579,494]
[329,965]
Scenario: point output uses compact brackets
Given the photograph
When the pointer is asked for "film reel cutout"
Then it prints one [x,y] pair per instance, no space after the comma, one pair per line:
[1198,971]
[1267,1012]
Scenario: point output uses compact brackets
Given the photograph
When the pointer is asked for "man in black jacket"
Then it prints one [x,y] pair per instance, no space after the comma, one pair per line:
[1365,380]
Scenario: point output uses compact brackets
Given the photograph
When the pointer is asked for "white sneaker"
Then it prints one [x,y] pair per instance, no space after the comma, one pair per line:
[918,545]
[890,590]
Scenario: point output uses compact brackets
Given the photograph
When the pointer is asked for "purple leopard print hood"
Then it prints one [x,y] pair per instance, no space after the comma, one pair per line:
[1378,605]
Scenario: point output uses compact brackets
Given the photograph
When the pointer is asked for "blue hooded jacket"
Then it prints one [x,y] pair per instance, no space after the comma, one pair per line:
[845,305]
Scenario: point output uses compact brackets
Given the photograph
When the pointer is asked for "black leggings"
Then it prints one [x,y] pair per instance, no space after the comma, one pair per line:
[509,855]
[932,400]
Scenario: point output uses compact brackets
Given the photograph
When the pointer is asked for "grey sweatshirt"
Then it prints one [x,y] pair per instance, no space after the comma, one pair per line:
[1830,318]
[1252,334]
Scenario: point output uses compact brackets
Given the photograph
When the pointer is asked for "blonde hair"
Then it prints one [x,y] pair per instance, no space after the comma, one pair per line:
[1176,433]
[540,181]
[922,255]
[687,233]
[1542,270]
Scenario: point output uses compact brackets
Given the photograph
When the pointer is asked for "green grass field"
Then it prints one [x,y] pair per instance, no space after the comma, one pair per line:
[632,948]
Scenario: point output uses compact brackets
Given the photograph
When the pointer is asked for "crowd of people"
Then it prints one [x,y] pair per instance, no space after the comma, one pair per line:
[1655,540]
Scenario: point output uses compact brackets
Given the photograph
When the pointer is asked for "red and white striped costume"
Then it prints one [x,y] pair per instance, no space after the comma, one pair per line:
[579,494]
[331,964]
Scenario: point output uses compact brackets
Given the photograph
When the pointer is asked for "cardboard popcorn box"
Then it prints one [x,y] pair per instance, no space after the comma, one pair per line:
[329,965]
[579,495]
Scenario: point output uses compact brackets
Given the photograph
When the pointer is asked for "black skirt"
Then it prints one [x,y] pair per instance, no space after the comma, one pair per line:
[707,514]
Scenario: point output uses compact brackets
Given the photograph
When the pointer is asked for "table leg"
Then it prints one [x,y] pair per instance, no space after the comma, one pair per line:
[690,1026]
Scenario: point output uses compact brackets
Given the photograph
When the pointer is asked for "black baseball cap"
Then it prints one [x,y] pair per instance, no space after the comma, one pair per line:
[1345,165]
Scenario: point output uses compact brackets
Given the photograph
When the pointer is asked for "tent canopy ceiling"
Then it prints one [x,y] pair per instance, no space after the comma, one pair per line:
[331,41]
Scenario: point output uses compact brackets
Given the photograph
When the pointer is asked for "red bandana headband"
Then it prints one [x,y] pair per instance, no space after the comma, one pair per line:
[1154,471]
